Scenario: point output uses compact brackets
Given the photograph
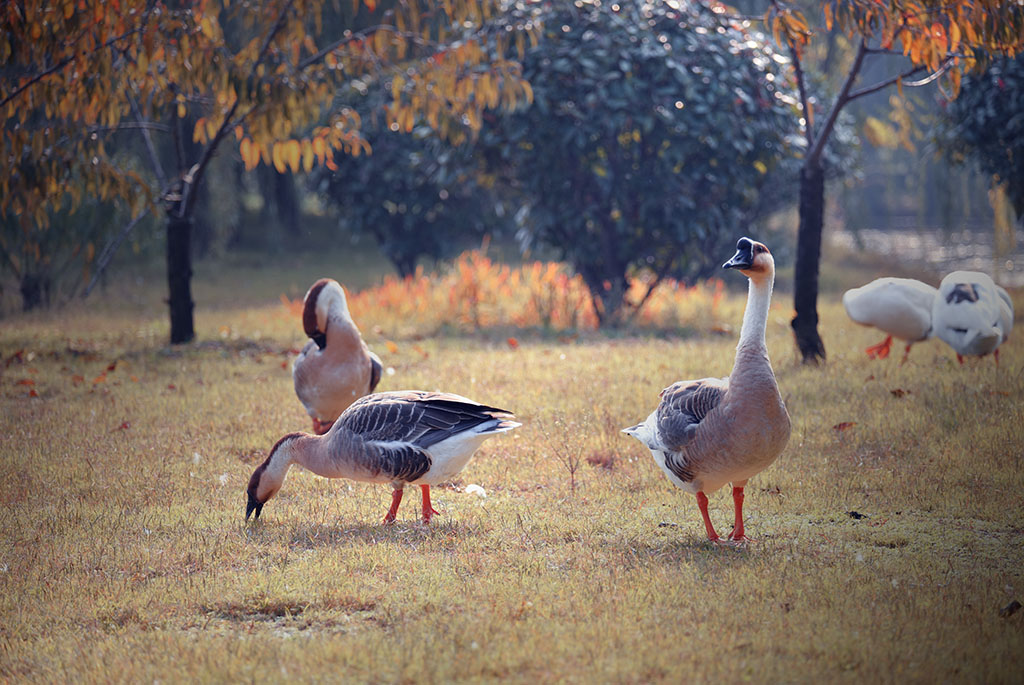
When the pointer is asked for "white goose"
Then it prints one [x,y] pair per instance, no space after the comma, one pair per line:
[972,314]
[335,368]
[713,431]
[899,307]
[404,437]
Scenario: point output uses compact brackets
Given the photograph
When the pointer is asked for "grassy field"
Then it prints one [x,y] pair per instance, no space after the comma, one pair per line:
[884,549]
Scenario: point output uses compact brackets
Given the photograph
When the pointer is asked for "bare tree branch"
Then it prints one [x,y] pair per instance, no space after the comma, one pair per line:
[60,65]
[816,150]
[191,180]
[108,252]
[882,85]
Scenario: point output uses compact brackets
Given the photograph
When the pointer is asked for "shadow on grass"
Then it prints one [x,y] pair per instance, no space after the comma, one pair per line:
[446,534]
[684,549]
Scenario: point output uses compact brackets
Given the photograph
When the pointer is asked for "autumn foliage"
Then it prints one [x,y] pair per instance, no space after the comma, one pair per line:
[475,292]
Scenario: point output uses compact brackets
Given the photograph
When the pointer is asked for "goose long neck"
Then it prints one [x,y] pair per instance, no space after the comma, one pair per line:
[312,453]
[755,317]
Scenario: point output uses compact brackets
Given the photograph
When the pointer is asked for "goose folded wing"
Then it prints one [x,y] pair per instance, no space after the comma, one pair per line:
[684,405]
[417,418]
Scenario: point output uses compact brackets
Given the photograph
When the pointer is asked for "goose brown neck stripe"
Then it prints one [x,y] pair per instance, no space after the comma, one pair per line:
[309,307]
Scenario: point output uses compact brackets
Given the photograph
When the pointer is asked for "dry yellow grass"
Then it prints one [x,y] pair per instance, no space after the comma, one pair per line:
[124,555]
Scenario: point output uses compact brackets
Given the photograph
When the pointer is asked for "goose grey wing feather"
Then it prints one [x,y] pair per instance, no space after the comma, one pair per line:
[684,405]
[401,461]
[420,418]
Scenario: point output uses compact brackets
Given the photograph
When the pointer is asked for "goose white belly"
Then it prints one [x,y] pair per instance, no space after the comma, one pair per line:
[451,455]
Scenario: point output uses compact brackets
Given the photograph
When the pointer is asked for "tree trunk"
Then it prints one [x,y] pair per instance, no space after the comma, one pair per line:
[808,257]
[179,278]
[35,291]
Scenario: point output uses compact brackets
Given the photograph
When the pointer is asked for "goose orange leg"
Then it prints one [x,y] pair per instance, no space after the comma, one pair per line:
[428,510]
[396,499]
[737,528]
[702,503]
[906,353]
[881,350]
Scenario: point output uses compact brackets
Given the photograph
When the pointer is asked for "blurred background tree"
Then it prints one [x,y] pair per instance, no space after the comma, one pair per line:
[418,196]
[76,74]
[921,43]
[652,142]
[985,125]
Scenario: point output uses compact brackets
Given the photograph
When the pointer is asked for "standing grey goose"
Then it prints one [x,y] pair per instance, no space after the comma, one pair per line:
[713,431]
[335,368]
[403,437]
[899,307]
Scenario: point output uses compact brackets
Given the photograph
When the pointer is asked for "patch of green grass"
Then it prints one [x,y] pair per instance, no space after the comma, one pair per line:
[883,551]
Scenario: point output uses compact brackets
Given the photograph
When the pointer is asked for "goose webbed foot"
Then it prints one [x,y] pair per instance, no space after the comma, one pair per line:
[881,350]
[428,510]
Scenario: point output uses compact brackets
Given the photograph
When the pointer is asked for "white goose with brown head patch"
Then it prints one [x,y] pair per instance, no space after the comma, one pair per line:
[405,437]
[972,314]
[336,367]
[713,431]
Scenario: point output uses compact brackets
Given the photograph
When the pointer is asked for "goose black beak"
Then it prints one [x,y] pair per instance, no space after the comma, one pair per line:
[320,339]
[254,505]
[744,257]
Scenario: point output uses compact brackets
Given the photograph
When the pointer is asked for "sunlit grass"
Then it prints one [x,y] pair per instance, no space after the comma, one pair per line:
[884,551]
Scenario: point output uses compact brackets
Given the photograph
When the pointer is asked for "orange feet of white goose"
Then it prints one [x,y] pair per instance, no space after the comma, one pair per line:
[881,350]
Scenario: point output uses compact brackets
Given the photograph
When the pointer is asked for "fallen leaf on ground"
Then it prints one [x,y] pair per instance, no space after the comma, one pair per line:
[899,392]
[845,425]
[26,381]
[513,343]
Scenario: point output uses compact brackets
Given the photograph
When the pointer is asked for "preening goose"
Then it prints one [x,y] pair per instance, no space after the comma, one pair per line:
[972,314]
[404,437]
[713,431]
[899,307]
[335,368]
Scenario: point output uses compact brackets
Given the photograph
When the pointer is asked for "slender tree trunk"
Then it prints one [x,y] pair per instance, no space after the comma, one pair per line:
[35,291]
[808,258]
[179,278]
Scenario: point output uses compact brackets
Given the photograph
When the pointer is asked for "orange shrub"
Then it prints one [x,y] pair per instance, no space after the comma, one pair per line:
[475,292]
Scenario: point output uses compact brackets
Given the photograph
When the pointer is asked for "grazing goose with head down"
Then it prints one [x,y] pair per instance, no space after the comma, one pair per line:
[972,314]
[404,437]
[899,307]
[713,431]
[335,368]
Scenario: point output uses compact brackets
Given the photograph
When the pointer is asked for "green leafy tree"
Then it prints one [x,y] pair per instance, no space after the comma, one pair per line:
[985,124]
[417,195]
[654,132]
[921,42]
[208,74]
